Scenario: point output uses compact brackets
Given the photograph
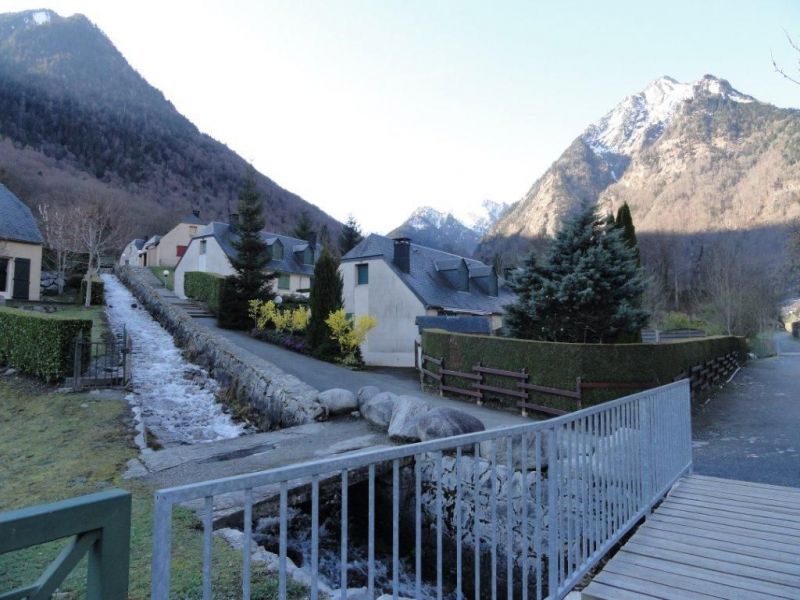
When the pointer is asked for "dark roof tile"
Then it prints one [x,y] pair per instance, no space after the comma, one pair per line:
[16,220]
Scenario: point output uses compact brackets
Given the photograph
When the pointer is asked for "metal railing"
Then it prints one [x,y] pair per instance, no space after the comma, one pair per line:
[99,525]
[523,511]
[102,364]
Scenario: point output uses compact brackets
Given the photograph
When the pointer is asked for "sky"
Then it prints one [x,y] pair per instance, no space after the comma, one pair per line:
[374,108]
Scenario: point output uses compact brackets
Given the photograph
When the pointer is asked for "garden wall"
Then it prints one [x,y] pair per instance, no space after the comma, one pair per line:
[558,365]
[272,398]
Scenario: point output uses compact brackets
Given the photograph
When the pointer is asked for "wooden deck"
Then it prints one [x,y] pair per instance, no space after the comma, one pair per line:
[711,538]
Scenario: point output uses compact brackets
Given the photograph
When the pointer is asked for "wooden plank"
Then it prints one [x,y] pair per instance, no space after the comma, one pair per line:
[545,409]
[704,510]
[648,534]
[747,484]
[549,390]
[767,499]
[461,374]
[729,527]
[601,591]
[458,390]
[744,512]
[501,372]
[436,361]
[649,546]
[737,505]
[713,564]
[500,390]
[431,374]
[683,580]
[713,518]
[635,584]
[788,549]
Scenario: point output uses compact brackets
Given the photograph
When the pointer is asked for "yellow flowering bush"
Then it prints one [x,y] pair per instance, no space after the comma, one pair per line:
[349,333]
[263,313]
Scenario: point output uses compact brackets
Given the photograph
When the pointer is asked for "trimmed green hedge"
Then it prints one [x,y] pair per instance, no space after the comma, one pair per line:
[98,292]
[205,287]
[558,365]
[39,344]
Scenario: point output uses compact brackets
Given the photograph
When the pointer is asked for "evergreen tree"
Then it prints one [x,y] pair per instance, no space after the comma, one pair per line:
[325,298]
[350,236]
[586,291]
[624,221]
[251,280]
[304,228]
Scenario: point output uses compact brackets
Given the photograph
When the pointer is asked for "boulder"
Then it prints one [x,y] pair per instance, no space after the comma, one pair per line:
[378,410]
[443,421]
[366,393]
[338,401]
[403,426]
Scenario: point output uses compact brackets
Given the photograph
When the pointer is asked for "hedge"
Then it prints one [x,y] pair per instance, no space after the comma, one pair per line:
[205,287]
[39,344]
[98,292]
[558,365]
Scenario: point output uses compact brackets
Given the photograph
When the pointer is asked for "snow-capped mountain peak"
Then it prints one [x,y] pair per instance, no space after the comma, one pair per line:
[41,17]
[641,118]
[426,216]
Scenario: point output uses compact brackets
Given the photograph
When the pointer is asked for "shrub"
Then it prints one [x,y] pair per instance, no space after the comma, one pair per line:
[98,291]
[39,344]
[349,333]
[204,287]
[233,312]
[557,364]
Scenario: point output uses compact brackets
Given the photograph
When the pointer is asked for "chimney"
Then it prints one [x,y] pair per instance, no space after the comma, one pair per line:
[402,254]
[234,224]
[196,212]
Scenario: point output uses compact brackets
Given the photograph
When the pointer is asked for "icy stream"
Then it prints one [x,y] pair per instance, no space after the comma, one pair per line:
[173,398]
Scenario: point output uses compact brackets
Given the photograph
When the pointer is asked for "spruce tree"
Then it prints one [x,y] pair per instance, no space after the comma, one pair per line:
[350,236]
[251,280]
[586,291]
[325,298]
[624,221]
[304,228]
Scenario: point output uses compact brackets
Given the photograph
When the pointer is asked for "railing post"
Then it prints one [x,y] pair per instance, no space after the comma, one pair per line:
[645,447]
[109,559]
[77,362]
[553,552]
[162,542]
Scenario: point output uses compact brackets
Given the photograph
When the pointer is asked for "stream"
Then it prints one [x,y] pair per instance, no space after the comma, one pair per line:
[174,399]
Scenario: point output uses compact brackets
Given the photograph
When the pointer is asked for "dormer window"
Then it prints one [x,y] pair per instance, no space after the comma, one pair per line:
[277,250]
[308,256]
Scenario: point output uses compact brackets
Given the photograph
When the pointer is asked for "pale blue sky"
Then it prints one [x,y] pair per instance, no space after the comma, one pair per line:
[376,108]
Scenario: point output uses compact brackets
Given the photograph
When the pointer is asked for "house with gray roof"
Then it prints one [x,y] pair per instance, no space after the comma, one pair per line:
[130,255]
[212,248]
[20,249]
[408,287]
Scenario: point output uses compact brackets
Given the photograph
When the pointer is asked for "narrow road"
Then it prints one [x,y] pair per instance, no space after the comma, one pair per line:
[751,429]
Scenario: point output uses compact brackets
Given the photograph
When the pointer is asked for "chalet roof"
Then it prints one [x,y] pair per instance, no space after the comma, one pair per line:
[288,264]
[431,278]
[17,223]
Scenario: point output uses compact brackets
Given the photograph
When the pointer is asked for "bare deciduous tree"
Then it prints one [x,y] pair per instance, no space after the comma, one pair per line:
[59,228]
[102,226]
[780,70]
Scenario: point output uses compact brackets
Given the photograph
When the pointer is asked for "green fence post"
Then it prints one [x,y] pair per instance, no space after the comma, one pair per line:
[109,559]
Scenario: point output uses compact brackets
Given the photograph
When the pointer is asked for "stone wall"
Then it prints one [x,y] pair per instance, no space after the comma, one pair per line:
[271,398]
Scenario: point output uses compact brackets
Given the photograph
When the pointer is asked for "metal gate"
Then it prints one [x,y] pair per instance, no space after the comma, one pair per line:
[102,364]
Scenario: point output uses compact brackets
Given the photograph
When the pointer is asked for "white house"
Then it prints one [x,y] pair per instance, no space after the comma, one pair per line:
[20,249]
[130,255]
[166,250]
[407,287]
[211,249]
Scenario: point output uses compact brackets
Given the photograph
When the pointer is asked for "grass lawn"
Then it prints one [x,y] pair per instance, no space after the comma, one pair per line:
[159,272]
[56,446]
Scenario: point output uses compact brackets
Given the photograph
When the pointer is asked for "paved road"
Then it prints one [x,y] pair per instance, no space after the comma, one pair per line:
[323,375]
[751,429]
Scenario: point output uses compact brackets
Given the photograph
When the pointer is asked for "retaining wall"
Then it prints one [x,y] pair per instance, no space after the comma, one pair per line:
[271,398]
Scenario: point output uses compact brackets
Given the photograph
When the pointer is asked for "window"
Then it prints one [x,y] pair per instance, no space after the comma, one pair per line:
[192,230]
[308,256]
[3,274]
[180,251]
[283,281]
[203,247]
[362,273]
[277,251]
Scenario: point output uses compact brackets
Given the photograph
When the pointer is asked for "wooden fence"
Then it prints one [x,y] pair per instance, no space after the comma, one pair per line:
[520,388]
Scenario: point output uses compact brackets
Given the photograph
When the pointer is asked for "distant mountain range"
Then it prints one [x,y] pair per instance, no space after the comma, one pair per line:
[689,158]
[443,231]
[76,121]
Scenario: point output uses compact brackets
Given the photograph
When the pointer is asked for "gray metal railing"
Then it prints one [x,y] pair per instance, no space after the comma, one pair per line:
[523,511]
[99,526]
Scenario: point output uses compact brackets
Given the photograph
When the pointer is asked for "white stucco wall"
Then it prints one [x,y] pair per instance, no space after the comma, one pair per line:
[33,252]
[167,249]
[395,307]
[216,261]
[130,255]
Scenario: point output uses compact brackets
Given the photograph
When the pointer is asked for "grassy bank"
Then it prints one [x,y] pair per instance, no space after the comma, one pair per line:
[170,279]
[56,446]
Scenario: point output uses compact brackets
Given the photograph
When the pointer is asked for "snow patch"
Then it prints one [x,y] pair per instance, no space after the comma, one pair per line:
[41,17]
[174,399]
